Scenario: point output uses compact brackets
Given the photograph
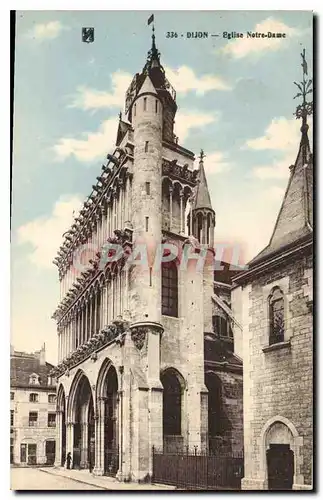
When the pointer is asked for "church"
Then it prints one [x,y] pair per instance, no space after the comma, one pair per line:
[146,334]
[273,301]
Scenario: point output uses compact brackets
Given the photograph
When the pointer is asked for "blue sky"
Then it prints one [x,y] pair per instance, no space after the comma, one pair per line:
[235,100]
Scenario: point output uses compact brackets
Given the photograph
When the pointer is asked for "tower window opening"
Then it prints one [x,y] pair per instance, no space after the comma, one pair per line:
[145,103]
[147,187]
[146,147]
[147,223]
[276,316]
[172,404]
[169,289]
[134,113]
[156,106]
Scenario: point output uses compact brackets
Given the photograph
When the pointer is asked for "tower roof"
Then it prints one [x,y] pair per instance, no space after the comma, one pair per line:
[295,217]
[202,197]
[147,86]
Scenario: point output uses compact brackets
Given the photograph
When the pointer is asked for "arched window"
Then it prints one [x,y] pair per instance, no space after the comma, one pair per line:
[199,227]
[216,425]
[169,289]
[276,316]
[172,404]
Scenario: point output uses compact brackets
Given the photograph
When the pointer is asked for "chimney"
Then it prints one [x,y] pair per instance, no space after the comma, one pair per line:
[42,355]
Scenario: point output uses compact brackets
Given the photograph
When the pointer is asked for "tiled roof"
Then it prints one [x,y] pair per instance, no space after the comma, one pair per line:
[23,366]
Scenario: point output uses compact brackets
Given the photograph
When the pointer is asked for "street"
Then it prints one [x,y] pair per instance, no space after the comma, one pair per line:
[35,479]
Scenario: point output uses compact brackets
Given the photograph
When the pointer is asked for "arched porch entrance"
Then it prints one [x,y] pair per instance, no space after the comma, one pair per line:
[173,402]
[82,420]
[281,454]
[108,426]
[61,427]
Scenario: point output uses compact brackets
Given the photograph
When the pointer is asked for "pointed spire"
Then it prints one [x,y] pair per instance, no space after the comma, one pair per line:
[202,198]
[295,218]
[153,57]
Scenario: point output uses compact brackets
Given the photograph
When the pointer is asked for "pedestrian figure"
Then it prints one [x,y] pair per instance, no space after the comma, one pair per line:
[68,460]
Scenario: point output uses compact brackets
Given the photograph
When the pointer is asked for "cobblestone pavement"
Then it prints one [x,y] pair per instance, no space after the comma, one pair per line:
[35,479]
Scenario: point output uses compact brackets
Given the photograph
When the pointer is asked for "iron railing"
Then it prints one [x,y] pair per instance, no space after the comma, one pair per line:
[197,470]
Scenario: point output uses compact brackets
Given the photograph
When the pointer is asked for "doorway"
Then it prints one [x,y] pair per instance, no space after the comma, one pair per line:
[32,454]
[50,452]
[280,464]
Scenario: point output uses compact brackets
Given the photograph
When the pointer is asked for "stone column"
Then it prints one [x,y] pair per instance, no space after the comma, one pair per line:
[99,438]
[64,340]
[59,345]
[84,445]
[124,218]
[127,209]
[75,320]
[70,438]
[87,318]
[113,211]
[204,229]
[147,400]
[79,324]
[181,195]
[112,295]
[92,316]
[83,322]
[98,325]
[58,439]
[93,312]
[109,219]
[108,316]
[120,207]
[104,224]
[103,306]
[170,207]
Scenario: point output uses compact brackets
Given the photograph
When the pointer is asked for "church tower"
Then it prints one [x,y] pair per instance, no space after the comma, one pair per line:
[203,214]
[131,328]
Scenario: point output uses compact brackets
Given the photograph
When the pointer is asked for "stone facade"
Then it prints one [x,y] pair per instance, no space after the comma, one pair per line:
[132,360]
[32,442]
[278,371]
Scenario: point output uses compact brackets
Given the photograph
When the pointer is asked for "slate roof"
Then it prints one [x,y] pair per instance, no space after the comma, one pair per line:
[226,274]
[23,366]
[294,223]
[202,198]
[123,128]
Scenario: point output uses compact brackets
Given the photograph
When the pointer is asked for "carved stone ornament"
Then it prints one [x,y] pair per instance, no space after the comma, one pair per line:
[138,336]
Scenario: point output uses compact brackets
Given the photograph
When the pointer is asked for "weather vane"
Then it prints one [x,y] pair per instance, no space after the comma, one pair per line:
[304,109]
[202,155]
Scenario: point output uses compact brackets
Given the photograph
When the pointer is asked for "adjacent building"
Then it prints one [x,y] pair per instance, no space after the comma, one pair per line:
[146,348]
[273,301]
[32,409]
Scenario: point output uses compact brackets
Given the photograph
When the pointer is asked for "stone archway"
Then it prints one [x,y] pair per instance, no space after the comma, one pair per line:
[80,425]
[279,438]
[60,448]
[108,420]
[173,410]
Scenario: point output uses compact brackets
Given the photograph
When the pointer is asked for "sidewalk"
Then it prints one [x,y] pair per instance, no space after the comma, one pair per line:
[102,482]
